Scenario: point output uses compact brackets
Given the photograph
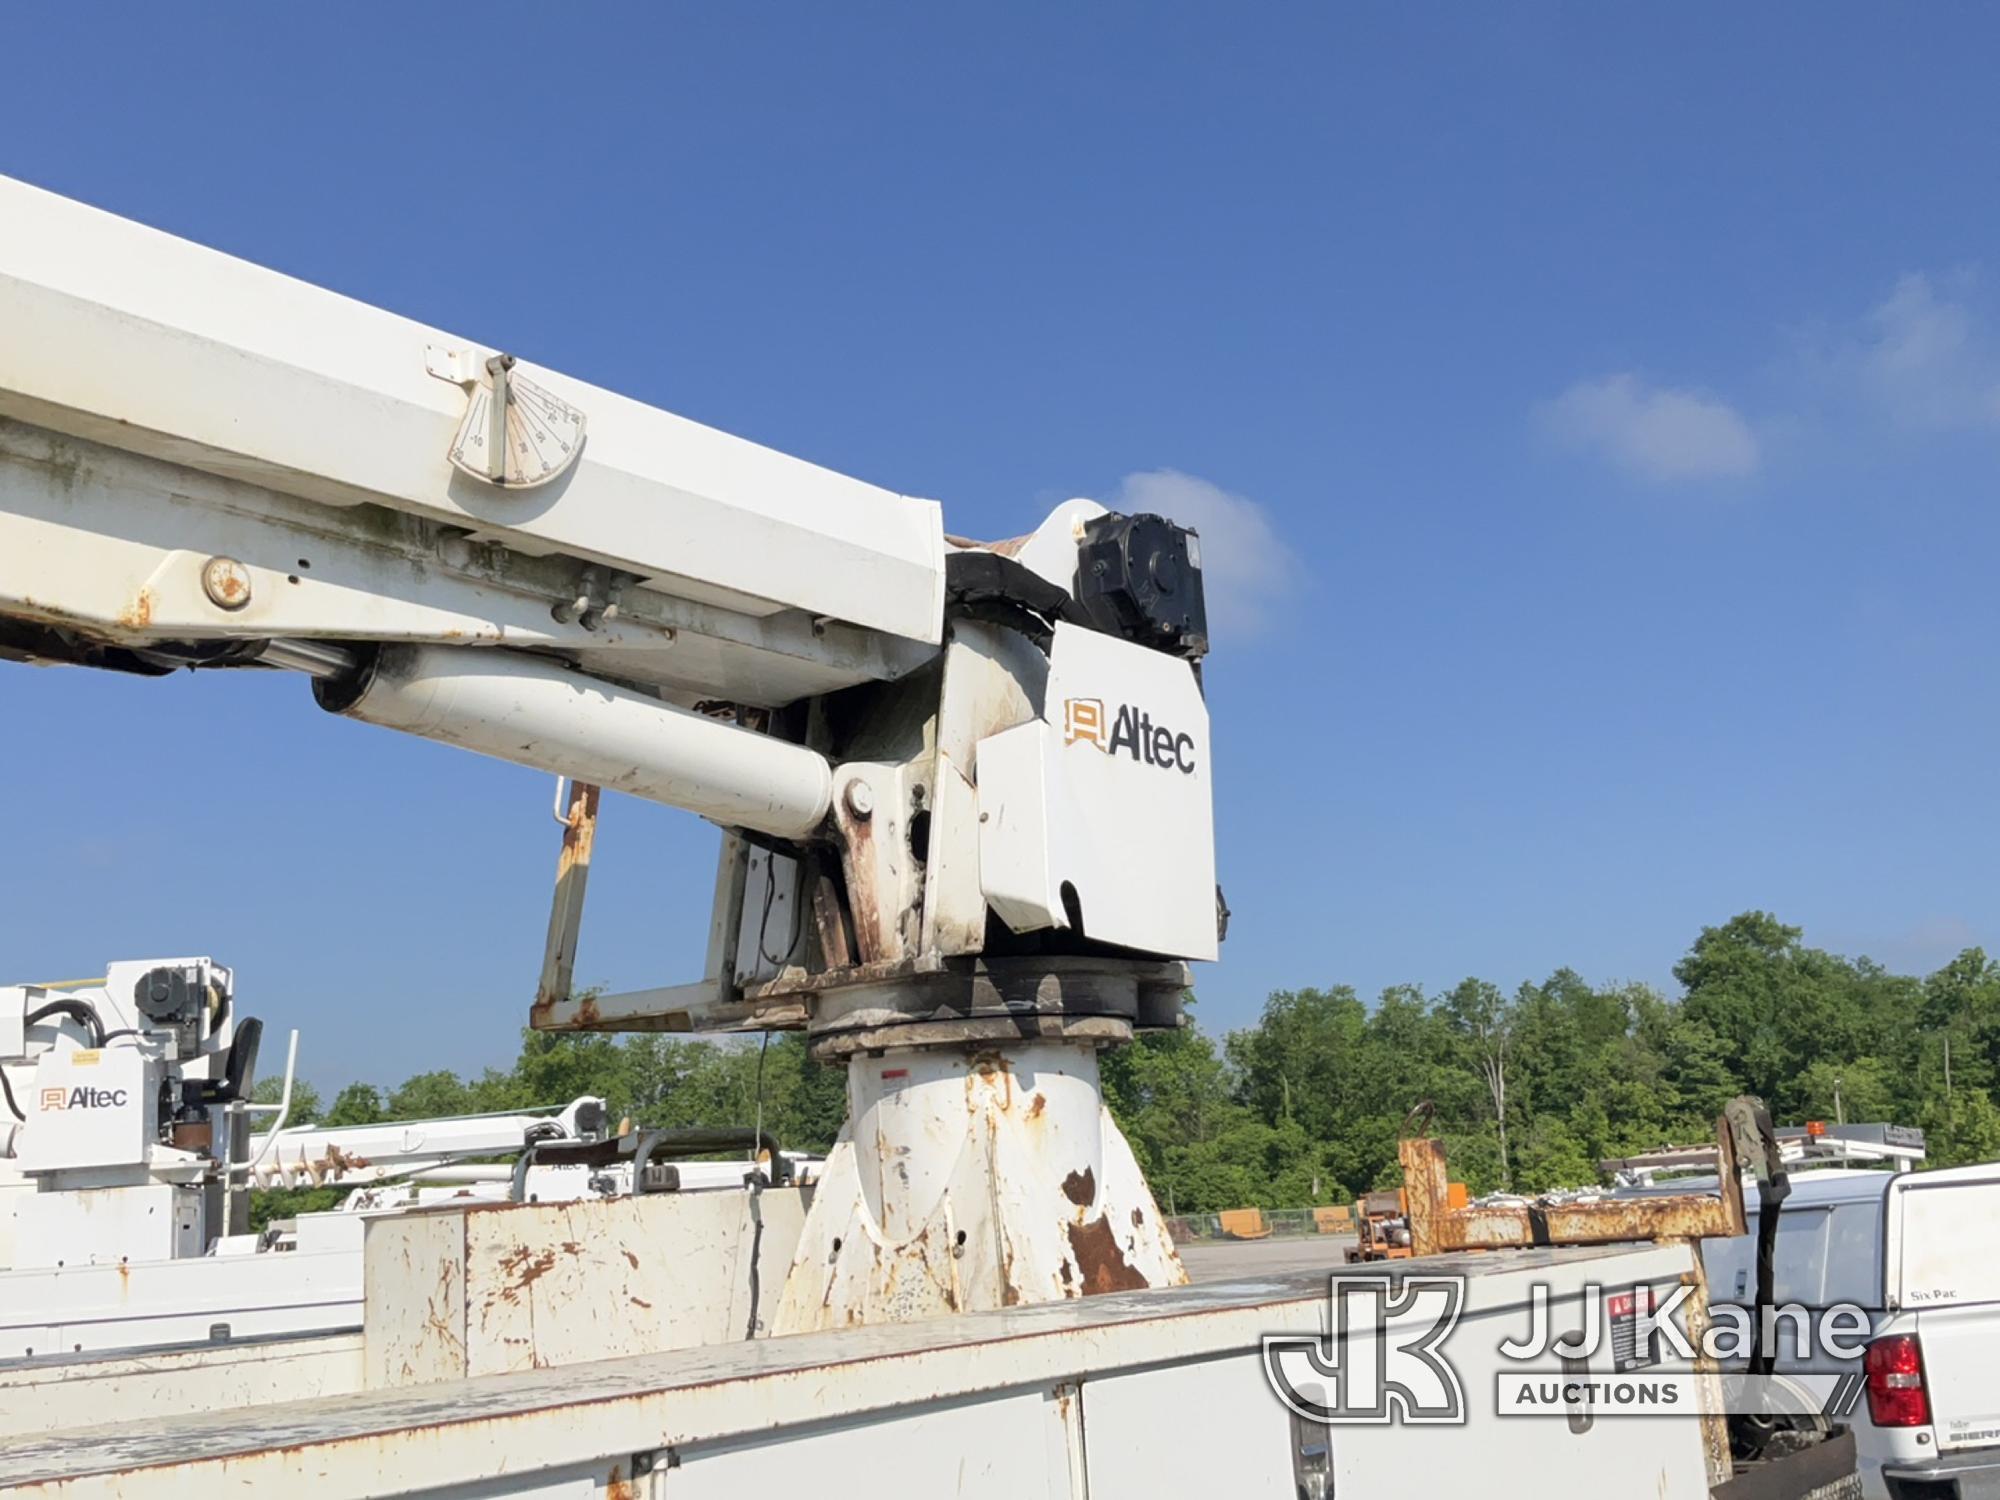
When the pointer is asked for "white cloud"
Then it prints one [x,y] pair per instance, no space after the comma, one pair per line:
[1654,432]
[1247,570]
[1922,356]
[1925,359]
[1923,947]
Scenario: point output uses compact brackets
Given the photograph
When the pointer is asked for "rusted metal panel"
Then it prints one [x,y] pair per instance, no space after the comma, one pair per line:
[1426,1192]
[563,1283]
[1434,1227]
[413,1299]
[479,1290]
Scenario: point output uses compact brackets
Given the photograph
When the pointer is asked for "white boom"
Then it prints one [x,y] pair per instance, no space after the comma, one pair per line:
[312,1155]
[965,789]
[121,335]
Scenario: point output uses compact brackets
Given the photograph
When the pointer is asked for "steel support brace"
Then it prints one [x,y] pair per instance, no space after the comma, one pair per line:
[1436,1228]
[579,820]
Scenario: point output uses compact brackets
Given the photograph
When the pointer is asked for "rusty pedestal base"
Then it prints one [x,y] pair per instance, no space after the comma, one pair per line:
[979,1167]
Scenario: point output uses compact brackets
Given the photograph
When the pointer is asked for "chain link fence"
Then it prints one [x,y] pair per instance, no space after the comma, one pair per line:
[1260,1223]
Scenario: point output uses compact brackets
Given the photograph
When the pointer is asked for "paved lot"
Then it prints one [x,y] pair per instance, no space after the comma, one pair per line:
[1223,1260]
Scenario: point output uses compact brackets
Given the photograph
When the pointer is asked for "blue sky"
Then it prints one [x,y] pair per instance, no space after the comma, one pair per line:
[1592,416]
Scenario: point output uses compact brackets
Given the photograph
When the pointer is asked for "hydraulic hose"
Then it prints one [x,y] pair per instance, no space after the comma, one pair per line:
[77,1010]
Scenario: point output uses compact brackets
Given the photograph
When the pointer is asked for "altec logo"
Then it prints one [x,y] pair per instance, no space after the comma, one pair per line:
[1130,733]
[84,1097]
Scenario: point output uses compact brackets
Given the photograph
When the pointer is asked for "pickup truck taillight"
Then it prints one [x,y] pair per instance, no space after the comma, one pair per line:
[1896,1394]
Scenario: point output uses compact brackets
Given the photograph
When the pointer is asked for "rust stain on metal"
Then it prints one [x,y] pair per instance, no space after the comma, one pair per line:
[566,916]
[1427,1192]
[1101,1262]
[911,1279]
[436,1322]
[986,1068]
[798,984]
[1436,1228]
[524,1268]
[874,929]
[1080,1188]
[617,1486]
[1036,1106]
[630,1259]
[832,925]
[138,615]
[542,1017]
[1714,1420]
[319,1169]
[580,827]
[585,1017]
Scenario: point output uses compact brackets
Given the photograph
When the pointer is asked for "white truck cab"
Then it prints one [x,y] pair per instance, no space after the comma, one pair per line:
[1919,1252]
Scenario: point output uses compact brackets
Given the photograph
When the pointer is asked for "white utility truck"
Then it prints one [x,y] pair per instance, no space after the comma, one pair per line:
[964,795]
[1919,1253]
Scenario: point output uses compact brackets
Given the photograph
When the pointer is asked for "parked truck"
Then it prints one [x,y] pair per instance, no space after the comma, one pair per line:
[1918,1253]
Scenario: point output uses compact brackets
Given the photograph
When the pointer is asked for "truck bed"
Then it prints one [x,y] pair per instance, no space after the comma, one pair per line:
[582,1429]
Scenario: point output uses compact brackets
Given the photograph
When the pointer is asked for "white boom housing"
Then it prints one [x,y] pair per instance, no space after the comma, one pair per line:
[123,335]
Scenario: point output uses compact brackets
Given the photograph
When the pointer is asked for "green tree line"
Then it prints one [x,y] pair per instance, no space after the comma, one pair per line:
[1529,1090]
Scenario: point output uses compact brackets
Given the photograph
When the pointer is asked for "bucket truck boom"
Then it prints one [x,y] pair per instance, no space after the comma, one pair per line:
[963,788]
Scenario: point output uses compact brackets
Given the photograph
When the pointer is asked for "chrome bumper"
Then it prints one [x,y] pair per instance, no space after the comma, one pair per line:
[1973,1475]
